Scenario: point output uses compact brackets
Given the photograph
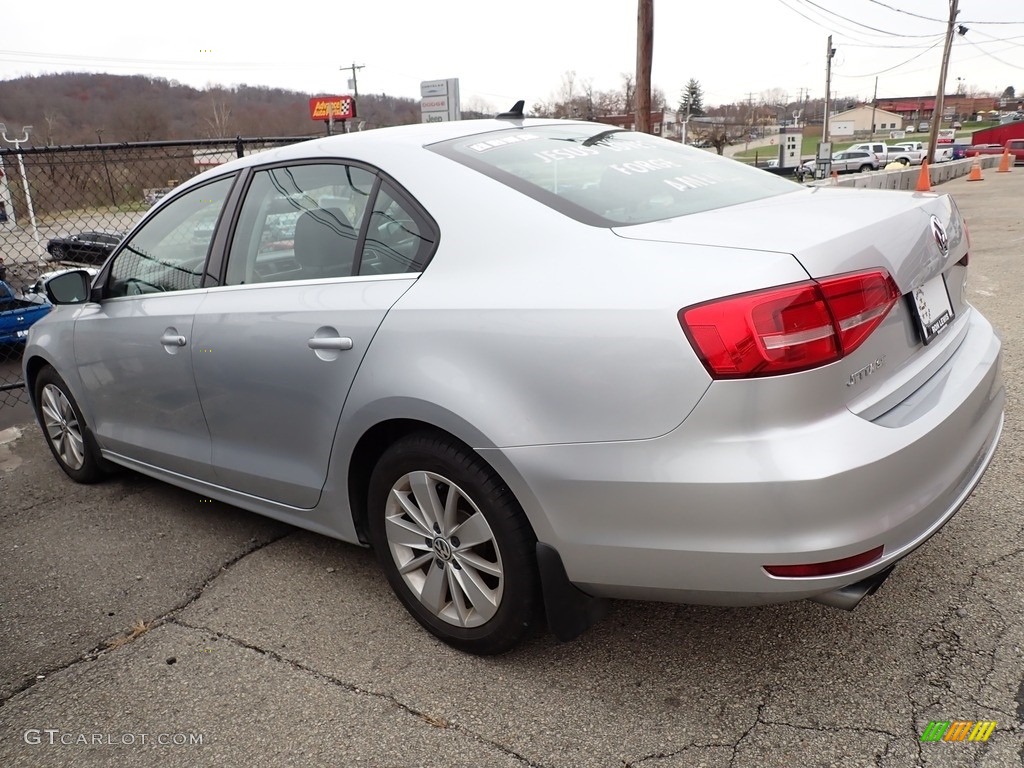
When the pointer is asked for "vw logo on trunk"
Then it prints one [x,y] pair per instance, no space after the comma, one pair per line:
[941,238]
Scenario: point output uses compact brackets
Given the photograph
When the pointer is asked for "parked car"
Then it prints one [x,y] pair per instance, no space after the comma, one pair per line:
[152,196]
[17,315]
[854,161]
[537,364]
[84,247]
[846,161]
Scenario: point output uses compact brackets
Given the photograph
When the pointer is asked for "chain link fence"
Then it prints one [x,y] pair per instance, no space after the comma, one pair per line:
[68,207]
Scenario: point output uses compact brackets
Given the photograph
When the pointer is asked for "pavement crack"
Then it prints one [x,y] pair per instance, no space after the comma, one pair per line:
[743,736]
[142,626]
[426,717]
[833,728]
[662,755]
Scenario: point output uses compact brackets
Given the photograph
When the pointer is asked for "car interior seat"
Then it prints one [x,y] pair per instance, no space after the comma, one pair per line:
[325,243]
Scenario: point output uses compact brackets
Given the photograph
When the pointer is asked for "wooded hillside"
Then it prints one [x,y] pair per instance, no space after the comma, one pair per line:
[76,108]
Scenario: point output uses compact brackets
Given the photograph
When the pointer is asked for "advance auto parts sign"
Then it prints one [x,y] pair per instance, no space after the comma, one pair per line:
[325,107]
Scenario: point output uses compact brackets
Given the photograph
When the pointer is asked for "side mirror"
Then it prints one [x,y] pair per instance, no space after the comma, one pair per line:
[69,288]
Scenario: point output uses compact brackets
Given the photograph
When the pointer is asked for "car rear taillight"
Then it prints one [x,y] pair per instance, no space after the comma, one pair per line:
[789,328]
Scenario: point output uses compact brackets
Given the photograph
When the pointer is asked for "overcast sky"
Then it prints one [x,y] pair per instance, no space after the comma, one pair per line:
[503,51]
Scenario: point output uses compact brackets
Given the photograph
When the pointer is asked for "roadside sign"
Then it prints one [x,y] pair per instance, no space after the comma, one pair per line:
[440,100]
[434,88]
[326,107]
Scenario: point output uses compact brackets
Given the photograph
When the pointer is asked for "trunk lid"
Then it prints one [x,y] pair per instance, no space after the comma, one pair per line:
[919,239]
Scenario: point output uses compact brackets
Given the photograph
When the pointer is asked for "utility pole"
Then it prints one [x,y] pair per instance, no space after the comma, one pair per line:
[933,134]
[874,106]
[354,84]
[829,53]
[644,58]
[824,154]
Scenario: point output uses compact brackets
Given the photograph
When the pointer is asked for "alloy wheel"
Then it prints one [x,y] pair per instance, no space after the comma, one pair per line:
[62,427]
[444,549]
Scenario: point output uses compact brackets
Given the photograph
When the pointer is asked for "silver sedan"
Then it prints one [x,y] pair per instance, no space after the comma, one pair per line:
[539,364]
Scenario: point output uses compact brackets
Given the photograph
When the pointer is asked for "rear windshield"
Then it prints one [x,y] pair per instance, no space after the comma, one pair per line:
[611,177]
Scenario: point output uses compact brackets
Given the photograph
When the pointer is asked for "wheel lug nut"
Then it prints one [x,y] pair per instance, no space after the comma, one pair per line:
[455,541]
[428,542]
[437,528]
[456,566]
[439,562]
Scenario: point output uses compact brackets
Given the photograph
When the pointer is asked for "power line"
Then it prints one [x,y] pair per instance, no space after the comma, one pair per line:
[897,66]
[830,27]
[859,24]
[908,13]
[992,22]
[917,47]
[993,56]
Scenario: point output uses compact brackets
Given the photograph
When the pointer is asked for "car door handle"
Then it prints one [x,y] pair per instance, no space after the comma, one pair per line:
[173,340]
[331,342]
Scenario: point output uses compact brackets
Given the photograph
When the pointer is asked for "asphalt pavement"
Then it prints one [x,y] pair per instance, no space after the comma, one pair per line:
[142,625]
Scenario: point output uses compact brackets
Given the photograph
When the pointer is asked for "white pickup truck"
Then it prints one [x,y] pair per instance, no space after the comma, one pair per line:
[943,152]
[892,153]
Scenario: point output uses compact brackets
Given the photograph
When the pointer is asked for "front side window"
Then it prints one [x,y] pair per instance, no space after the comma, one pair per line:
[169,251]
[300,222]
[611,177]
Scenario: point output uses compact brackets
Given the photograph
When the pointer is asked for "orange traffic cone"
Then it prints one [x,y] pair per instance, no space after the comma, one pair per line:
[1004,162]
[924,180]
[975,174]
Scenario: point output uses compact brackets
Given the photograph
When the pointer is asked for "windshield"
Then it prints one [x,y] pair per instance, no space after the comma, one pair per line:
[611,177]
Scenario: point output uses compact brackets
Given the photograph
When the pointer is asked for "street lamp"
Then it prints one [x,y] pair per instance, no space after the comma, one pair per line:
[24,179]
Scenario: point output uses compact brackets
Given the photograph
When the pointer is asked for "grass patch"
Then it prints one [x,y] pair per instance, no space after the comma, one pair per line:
[139,628]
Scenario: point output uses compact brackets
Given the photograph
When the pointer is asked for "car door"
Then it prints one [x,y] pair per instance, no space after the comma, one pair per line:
[135,347]
[280,343]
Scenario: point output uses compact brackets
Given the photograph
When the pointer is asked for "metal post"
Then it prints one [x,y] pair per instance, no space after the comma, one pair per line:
[106,170]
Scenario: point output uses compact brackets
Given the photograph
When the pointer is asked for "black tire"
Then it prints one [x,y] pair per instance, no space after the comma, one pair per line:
[65,430]
[864,168]
[903,161]
[58,252]
[473,499]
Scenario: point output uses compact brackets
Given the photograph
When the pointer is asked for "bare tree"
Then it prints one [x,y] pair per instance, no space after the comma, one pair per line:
[219,118]
[629,89]
[50,122]
[714,135]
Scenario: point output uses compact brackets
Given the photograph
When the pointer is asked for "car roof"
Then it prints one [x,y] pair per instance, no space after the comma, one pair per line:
[417,134]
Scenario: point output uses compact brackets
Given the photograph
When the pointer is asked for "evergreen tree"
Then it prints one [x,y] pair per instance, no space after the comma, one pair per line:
[691,101]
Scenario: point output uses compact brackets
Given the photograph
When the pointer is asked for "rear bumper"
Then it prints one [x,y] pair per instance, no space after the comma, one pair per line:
[691,517]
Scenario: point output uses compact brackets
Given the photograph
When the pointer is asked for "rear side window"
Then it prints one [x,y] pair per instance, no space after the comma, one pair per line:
[300,222]
[326,220]
[611,177]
